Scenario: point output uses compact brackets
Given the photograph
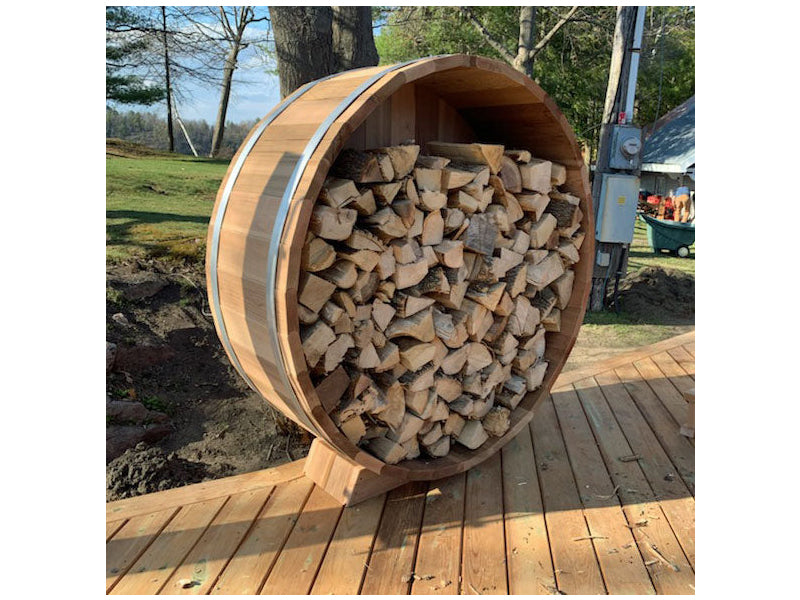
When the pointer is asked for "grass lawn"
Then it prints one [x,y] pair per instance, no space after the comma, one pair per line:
[641,255]
[606,333]
[160,205]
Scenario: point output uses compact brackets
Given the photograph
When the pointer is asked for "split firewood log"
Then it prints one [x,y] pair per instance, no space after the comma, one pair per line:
[429,284]
[536,175]
[481,154]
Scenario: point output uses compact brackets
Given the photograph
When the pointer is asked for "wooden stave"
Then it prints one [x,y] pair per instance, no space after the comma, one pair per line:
[287,273]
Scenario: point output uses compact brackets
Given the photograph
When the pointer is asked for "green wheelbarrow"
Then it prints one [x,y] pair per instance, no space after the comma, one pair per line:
[669,235]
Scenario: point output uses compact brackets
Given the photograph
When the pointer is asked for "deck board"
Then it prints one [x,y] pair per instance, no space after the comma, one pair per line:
[112,527]
[555,511]
[667,393]
[252,562]
[674,371]
[484,550]
[298,562]
[661,423]
[213,550]
[645,515]
[576,568]
[167,551]
[684,359]
[438,565]
[530,566]
[391,565]
[342,570]
[676,499]
[620,561]
[130,541]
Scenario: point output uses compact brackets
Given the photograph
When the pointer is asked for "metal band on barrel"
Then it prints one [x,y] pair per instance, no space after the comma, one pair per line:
[217,226]
[283,210]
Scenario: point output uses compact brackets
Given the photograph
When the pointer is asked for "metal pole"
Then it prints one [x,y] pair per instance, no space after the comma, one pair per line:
[634,70]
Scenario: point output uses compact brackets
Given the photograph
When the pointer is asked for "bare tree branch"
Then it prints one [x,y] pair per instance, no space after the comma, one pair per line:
[549,35]
[490,39]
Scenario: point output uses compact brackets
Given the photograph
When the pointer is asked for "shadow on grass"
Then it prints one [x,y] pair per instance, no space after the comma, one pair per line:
[609,316]
[123,234]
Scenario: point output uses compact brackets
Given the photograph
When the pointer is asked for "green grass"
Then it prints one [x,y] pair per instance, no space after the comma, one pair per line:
[159,205]
[642,255]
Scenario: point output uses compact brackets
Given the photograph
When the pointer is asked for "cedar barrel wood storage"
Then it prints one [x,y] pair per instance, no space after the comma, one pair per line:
[260,219]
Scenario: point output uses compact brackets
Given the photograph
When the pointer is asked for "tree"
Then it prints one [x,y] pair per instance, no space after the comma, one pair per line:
[127,40]
[168,87]
[353,42]
[234,21]
[526,48]
[315,41]
[567,53]
[303,44]
[223,27]
[160,48]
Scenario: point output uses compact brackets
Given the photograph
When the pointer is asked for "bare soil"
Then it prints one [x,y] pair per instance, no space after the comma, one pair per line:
[202,421]
[169,359]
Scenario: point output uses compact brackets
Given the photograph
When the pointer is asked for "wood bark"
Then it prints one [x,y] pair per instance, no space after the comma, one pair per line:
[442,310]
[352,39]
[233,26]
[170,129]
[303,44]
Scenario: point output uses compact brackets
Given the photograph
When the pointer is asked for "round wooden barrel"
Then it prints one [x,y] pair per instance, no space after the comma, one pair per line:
[261,217]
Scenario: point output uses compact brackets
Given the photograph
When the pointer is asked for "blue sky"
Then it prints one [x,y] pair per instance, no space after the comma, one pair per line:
[254,93]
[255,89]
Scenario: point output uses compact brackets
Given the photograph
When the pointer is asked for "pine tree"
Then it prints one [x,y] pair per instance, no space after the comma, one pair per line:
[126,39]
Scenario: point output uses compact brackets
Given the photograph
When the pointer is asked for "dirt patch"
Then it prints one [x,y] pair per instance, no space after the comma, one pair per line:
[125,149]
[654,294]
[169,361]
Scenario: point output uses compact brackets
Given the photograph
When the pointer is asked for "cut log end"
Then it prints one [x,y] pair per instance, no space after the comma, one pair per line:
[429,284]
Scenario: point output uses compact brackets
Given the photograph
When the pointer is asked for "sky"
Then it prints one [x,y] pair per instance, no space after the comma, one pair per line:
[255,89]
[254,93]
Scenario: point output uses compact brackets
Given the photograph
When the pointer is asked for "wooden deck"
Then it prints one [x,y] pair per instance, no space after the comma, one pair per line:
[596,497]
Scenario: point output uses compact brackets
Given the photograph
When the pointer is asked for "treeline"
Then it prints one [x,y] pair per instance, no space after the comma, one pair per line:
[150,130]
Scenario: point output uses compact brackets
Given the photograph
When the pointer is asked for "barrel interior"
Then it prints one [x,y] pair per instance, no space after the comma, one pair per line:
[468,104]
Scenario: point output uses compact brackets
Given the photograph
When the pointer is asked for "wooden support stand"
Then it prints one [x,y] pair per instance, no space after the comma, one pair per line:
[687,428]
[349,483]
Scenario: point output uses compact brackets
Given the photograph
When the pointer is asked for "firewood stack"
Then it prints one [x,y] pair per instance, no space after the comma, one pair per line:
[428,283]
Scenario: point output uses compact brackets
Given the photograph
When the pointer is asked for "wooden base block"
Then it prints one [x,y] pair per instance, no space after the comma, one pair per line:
[687,428]
[347,482]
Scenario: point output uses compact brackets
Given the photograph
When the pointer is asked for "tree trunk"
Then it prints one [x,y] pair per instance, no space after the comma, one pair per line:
[227,80]
[170,131]
[303,43]
[527,33]
[353,42]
